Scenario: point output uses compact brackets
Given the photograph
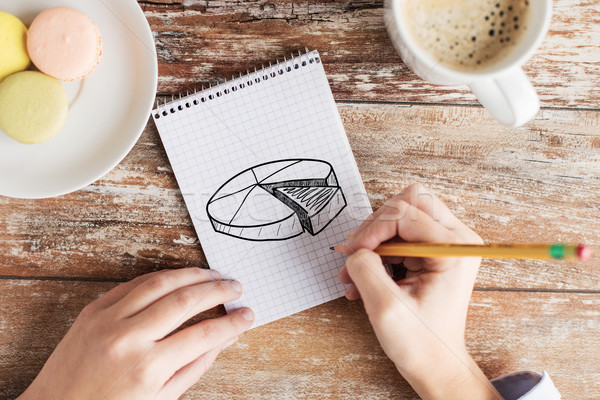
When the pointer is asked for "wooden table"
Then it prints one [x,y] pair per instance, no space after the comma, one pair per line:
[536,183]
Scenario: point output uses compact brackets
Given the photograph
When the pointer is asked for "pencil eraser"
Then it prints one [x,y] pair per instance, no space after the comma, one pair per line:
[584,252]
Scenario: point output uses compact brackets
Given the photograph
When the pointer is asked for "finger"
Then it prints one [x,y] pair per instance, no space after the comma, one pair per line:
[382,228]
[118,292]
[190,343]
[421,197]
[409,194]
[166,314]
[371,279]
[352,293]
[188,375]
[343,276]
[385,208]
[423,228]
[392,259]
[413,264]
[365,224]
[402,220]
[183,379]
[161,285]
[360,240]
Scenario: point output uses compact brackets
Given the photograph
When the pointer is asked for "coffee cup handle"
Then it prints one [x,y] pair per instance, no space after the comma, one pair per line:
[510,98]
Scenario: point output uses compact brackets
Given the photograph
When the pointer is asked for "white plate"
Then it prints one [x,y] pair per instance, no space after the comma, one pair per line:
[108,112]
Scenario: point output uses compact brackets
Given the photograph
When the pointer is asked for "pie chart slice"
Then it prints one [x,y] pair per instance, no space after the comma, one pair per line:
[223,208]
[239,183]
[277,200]
[315,206]
[264,171]
[254,214]
[303,173]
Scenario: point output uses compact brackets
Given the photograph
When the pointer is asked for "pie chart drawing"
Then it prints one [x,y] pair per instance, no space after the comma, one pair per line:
[277,200]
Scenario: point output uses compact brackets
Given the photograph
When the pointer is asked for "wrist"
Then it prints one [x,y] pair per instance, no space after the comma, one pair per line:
[450,374]
[27,395]
[39,389]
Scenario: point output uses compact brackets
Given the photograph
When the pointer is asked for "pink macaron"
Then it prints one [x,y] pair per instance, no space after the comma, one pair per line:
[64,43]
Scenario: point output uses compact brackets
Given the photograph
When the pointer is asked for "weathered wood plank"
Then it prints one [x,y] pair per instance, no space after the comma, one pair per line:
[512,331]
[534,184]
[328,351]
[531,184]
[199,42]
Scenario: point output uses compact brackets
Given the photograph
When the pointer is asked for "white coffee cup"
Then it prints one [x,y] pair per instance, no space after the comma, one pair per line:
[503,89]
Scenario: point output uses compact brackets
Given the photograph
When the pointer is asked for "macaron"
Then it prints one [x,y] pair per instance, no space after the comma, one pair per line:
[13,45]
[64,43]
[33,106]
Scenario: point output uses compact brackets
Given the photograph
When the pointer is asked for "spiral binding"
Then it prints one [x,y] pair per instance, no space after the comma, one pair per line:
[235,84]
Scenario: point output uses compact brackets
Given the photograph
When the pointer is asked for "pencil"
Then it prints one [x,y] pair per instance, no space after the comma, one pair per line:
[491,250]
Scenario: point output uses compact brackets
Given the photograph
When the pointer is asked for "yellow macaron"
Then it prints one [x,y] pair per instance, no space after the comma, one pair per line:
[33,106]
[13,45]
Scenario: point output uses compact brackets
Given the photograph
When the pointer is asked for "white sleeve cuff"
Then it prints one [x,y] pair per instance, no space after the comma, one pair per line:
[526,385]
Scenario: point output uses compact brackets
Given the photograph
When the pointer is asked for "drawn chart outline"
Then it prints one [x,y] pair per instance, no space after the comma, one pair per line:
[277,200]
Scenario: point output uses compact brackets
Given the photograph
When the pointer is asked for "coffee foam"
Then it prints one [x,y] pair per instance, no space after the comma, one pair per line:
[467,35]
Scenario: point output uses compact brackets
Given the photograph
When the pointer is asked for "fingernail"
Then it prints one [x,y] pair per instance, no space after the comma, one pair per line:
[230,342]
[216,275]
[351,234]
[348,291]
[235,285]
[248,314]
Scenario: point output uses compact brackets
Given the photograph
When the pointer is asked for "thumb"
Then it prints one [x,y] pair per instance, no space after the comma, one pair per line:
[370,277]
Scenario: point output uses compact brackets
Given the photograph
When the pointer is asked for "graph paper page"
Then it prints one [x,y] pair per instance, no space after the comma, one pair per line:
[270,182]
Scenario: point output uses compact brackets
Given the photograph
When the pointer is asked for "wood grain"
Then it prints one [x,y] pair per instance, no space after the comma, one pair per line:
[510,185]
[531,184]
[329,351]
[537,183]
[200,42]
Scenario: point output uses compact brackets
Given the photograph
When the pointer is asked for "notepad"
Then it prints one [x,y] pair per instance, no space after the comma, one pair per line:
[270,182]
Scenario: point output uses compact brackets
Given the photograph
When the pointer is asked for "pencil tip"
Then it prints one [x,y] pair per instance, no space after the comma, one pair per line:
[332,248]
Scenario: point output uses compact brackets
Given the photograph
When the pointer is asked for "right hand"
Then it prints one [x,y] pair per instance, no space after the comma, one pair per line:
[122,345]
[420,320]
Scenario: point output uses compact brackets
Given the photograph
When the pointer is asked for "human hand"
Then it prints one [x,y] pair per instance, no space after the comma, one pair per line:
[419,320]
[119,346]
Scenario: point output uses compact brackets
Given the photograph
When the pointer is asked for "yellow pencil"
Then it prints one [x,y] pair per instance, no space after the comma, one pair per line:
[491,250]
